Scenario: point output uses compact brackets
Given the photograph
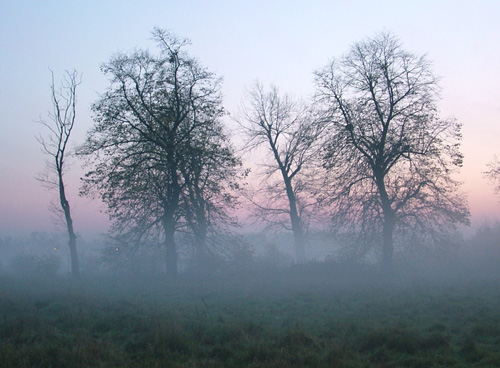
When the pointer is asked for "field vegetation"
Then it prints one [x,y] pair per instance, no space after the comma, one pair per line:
[318,314]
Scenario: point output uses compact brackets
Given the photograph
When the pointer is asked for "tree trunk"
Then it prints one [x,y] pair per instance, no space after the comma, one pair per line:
[170,247]
[387,226]
[75,264]
[298,234]
[170,206]
[298,237]
[388,243]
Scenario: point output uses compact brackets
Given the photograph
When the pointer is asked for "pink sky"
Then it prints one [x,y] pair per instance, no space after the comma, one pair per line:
[280,42]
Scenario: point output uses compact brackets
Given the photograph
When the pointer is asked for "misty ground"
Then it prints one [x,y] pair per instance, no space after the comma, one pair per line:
[317,314]
[256,309]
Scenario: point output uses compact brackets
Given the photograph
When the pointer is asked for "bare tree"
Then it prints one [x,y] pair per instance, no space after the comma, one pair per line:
[290,134]
[60,124]
[389,155]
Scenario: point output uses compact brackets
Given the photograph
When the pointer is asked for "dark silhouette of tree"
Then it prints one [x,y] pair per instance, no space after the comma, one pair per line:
[290,134]
[151,127]
[60,124]
[389,155]
[211,175]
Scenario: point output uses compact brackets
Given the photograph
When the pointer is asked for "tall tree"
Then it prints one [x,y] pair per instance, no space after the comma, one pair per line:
[290,134]
[390,156]
[60,125]
[145,126]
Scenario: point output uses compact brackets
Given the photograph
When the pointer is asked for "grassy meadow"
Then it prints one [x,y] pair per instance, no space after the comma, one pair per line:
[301,316]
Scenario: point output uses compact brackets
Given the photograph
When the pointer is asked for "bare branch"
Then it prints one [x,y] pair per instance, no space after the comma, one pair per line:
[290,135]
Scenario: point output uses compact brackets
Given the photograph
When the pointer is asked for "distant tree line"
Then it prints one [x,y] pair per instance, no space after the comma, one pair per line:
[369,152]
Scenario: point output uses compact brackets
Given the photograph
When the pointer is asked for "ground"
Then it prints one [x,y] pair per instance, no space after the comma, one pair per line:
[284,318]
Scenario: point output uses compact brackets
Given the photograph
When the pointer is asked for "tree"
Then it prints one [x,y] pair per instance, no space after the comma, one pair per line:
[290,134]
[60,125]
[493,174]
[210,175]
[389,155]
[149,125]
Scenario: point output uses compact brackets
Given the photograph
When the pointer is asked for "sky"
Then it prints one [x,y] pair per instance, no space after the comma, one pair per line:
[280,42]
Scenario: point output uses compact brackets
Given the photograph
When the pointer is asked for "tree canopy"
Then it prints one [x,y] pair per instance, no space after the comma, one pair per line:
[158,144]
[389,156]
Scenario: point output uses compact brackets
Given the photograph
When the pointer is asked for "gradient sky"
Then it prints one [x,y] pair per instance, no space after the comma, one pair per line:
[280,42]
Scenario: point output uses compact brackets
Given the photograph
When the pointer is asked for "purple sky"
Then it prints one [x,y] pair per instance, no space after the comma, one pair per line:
[280,42]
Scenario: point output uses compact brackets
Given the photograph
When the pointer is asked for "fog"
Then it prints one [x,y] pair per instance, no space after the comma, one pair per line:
[248,304]
[254,255]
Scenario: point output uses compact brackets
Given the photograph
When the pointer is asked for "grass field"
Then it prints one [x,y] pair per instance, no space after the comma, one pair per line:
[279,319]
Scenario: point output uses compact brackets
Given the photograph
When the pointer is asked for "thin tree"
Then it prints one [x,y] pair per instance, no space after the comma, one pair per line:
[60,124]
[290,134]
[389,155]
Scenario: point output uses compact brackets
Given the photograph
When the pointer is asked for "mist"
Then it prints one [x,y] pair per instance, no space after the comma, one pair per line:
[253,305]
[474,255]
